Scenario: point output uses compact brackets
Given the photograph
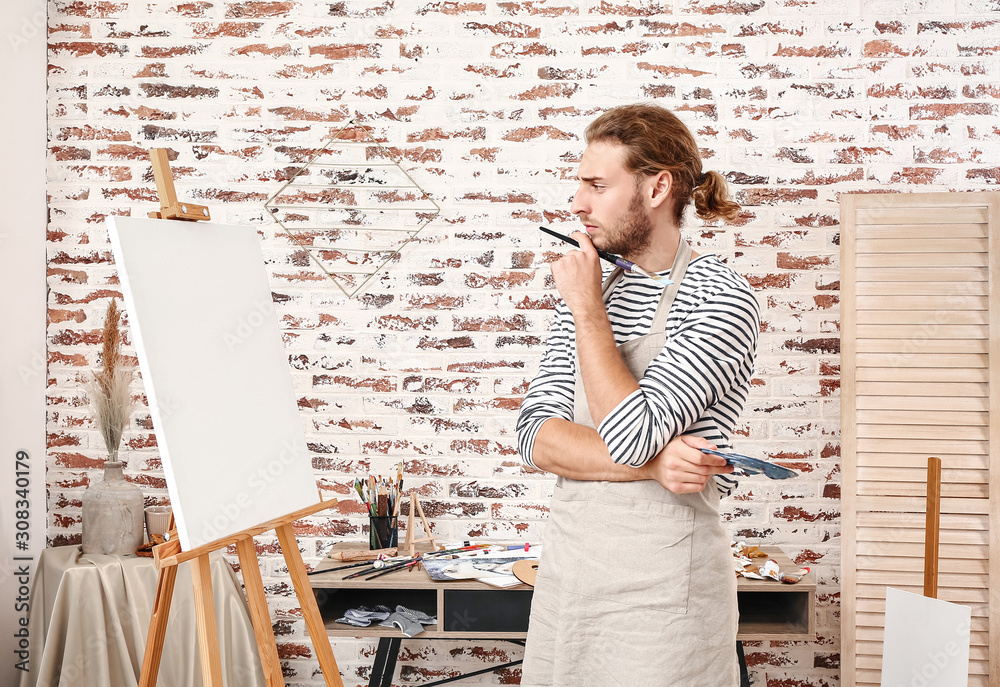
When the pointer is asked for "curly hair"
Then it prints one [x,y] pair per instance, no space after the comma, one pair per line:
[656,141]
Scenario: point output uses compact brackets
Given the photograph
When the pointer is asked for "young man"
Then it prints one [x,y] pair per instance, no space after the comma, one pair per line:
[636,582]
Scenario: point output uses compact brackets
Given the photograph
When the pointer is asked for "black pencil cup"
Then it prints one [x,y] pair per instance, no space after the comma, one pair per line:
[383,531]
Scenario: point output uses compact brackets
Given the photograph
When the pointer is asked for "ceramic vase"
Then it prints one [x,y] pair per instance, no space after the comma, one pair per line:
[112,514]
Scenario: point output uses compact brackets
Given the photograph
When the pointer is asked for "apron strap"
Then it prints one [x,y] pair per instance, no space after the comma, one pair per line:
[677,271]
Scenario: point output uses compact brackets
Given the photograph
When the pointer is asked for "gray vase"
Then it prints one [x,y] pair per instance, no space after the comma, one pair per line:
[112,514]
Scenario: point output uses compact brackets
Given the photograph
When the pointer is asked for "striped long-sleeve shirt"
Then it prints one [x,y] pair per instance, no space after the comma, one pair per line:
[697,384]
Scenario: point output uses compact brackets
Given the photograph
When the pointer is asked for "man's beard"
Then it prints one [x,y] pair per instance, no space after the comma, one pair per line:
[633,232]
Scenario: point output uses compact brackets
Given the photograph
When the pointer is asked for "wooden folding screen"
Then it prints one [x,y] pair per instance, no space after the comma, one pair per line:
[920,376]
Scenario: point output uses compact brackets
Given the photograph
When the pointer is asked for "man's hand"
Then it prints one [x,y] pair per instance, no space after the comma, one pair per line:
[578,277]
[682,468]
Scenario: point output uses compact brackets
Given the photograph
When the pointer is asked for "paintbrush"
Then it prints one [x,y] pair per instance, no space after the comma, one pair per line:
[626,265]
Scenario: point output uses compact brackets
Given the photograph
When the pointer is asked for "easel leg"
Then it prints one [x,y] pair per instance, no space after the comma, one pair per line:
[157,626]
[307,601]
[208,633]
[259,614]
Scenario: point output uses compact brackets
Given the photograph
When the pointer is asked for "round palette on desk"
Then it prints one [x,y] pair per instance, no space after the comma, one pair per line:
[526,570]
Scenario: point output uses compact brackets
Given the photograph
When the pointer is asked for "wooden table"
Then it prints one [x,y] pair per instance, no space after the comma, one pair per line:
[468,609]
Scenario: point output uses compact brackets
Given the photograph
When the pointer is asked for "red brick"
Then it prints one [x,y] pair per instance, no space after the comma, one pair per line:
[452,7]
[519,49]
[670,70]
[504,28]
[652,27]
[437,134]
[88,48]
[228,29]
[774,196]
[91,10]
[81,30]
[561,90]
[990,175]
[891,48]
[821,51]
[543,8]
[345,52]
[717,7]
[260,9]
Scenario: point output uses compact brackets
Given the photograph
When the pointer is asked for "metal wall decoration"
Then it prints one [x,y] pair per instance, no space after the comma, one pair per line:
[352,208]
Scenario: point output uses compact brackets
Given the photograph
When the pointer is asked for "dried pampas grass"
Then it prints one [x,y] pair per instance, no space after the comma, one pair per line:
[108,388]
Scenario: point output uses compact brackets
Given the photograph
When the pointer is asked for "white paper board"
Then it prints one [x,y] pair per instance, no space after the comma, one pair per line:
[215,373]
[926,642]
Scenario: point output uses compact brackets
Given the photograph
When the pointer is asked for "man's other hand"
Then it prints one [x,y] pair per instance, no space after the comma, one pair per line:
[682,468]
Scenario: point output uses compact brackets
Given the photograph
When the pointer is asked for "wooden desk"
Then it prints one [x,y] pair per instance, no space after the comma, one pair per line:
[467,609]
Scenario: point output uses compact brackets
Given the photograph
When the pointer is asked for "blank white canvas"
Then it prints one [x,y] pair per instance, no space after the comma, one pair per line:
[926,641]
[215,373]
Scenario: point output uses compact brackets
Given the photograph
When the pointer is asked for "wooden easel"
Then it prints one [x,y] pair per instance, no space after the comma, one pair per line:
[168,556]
[170,208]
[411,543]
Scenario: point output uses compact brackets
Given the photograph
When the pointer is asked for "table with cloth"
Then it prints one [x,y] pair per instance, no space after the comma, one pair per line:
[90,613]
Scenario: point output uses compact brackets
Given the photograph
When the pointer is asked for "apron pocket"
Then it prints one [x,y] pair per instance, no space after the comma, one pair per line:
[626,551]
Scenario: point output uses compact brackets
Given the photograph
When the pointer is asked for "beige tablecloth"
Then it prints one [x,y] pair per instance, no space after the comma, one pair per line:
[90,614]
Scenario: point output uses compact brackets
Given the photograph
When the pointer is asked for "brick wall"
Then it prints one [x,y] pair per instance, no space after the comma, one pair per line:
[795,101]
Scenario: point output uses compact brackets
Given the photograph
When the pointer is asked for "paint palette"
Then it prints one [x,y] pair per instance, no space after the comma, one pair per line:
[753,466]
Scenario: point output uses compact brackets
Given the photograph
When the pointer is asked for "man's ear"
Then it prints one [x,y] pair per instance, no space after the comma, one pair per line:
[662,184]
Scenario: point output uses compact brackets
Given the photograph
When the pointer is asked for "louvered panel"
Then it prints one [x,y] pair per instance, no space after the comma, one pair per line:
[940,448]
[971,524]
[978,652]
[921,231]
[920,376]
[883,260]
[922,319]
[979,622]
[941,244]
[916,504]
[960,389]
[970,596]
[922,432]
[917,288]
[920,209]
[915,548]
[939,403]
[962,332]
[906,535]
[941,275]
[974,572]
[916,461]
[895,473]
[976,668]
[928,349]
[868,678]
[930,359]
[951,491]
[945,303]
[918,417]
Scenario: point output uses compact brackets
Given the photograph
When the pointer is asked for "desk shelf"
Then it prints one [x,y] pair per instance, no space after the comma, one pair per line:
[769,610]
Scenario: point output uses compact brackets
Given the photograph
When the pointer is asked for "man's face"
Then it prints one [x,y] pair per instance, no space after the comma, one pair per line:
[609,202]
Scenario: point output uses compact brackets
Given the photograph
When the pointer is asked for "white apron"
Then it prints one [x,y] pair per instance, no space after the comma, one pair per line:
[635,585]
